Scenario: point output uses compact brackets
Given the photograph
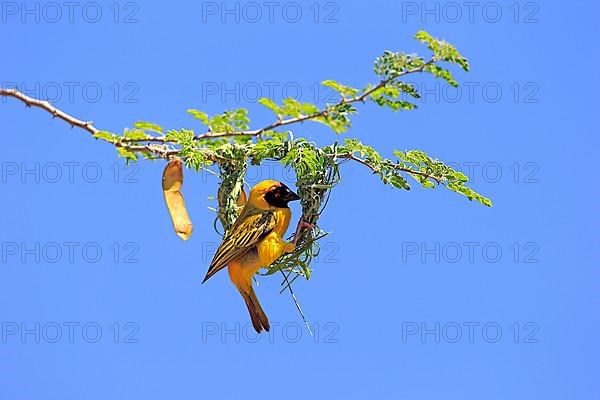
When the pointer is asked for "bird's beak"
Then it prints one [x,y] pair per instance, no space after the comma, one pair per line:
[289,195]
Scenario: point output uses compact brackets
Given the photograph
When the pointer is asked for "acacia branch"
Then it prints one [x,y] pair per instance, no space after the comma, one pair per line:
[290,121]
[56,113]
[396,167]
[160,151]
[164,152]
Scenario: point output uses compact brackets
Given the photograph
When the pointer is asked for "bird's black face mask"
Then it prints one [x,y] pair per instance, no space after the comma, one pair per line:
[280,196]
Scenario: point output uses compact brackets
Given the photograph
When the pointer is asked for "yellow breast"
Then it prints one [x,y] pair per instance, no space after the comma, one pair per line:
[283,217]
[272,246]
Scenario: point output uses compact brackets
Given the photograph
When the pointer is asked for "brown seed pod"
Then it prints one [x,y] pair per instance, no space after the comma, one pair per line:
[172,181]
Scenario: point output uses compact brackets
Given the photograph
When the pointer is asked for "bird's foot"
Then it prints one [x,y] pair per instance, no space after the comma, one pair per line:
[301,226]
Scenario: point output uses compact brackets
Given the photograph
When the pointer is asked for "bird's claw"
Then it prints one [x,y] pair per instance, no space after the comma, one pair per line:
[301,226]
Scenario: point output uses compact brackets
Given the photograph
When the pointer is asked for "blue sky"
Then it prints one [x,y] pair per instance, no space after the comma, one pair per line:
[417,294]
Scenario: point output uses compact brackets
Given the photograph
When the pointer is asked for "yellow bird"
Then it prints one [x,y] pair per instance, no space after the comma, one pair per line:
[255,241]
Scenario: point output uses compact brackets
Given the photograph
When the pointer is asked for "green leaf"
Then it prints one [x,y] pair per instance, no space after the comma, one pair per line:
[182,136]
[108,136]
[128,155]
[440,72]
[291,107]
[343,90]
[230,121]
[270,104]
[309,109]
[202,116]
[427,184]
[148,126]
[399,182]
[135,134]
[442,50]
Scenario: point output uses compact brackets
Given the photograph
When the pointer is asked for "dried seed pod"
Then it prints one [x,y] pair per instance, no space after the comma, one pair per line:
[172,181]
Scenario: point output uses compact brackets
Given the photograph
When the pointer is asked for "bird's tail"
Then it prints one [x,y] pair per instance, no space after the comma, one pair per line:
[257,315]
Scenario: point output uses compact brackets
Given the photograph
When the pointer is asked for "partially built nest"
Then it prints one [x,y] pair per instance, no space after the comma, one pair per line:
[316,172]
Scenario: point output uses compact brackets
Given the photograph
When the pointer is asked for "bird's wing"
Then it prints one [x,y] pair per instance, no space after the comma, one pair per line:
[251,226]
